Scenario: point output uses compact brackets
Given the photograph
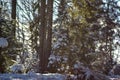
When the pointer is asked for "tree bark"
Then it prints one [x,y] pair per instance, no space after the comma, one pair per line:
[42,36]
[13,15]
[49,31]
[46,11]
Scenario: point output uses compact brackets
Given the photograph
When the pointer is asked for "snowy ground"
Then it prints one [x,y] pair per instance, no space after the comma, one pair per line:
[34,76]
[115,79]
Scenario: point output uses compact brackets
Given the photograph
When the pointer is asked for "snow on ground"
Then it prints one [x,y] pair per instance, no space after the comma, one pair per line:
[32,76]
[36,76]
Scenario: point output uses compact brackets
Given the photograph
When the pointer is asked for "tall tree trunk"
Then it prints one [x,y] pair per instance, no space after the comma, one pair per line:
[49,31]
[1,57]
[13,15]
[46,12]
[42,36]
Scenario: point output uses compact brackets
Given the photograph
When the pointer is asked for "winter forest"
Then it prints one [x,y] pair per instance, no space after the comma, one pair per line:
[59,39]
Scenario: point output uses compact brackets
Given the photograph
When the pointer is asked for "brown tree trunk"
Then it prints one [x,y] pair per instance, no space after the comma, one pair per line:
[13,15]
[49,31]
[45,34]
[42,36]
[46,12]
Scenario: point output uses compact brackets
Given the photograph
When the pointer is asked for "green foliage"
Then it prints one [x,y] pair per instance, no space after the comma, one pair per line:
[90,33]
[13,48]
[6,31]
[84,31]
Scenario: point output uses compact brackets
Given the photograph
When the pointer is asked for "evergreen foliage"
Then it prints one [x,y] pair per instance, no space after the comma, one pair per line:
[81,31]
